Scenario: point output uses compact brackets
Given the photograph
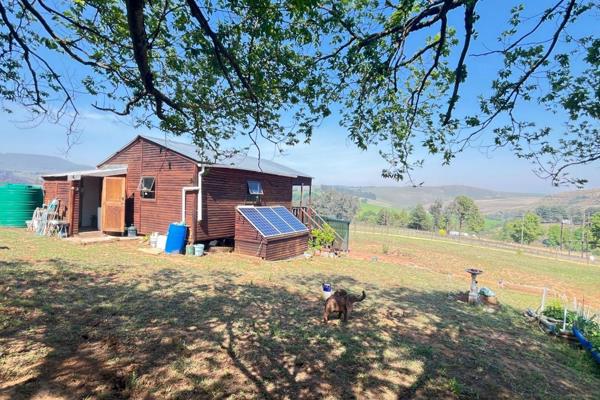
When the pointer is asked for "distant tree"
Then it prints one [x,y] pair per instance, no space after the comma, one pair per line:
[553,238]
[368,216]
[400,218]
[595,230]
[420,219]
[437,214]
[467,214]
[335,204]
[552,213]
[528,229]
[383,217]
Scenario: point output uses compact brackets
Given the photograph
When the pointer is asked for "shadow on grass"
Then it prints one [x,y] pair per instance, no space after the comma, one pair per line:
[172,335]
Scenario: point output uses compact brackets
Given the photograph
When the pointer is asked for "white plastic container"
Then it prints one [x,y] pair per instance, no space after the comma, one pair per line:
[153,239]
[161,242]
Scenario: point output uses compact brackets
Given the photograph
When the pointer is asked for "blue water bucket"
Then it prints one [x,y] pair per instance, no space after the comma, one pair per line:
[176,239]
[199,249]
[326,290]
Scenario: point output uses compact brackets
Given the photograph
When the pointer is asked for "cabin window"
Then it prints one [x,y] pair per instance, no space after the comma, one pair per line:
[254,188]
[254,192]
[147,187]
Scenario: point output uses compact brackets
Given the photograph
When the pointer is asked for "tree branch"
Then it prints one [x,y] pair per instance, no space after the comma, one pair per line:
[137,31]
[219,48]
[459,73]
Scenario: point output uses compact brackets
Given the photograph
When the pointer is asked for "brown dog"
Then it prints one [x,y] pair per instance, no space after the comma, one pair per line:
[342,303]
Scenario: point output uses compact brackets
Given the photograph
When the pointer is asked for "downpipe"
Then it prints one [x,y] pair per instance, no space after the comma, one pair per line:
[186,189]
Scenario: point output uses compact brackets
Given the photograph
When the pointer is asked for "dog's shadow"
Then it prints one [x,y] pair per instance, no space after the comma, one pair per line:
[4,248]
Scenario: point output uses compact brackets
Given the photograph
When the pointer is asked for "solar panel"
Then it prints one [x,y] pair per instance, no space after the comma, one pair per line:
[273,221]
[259,222]
[288,217]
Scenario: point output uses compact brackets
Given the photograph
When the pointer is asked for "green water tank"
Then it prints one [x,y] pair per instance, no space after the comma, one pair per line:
[17,203]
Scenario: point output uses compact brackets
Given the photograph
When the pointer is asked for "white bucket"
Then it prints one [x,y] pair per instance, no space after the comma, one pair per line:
[161,241]
[153,239]
[199,249]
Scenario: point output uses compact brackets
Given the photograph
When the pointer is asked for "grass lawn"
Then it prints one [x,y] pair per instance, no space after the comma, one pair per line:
[108,321]
[373,206]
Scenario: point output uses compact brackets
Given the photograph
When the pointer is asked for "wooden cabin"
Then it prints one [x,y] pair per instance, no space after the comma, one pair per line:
[152,182]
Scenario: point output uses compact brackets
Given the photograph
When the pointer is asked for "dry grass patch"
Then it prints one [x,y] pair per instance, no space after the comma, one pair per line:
[110,322]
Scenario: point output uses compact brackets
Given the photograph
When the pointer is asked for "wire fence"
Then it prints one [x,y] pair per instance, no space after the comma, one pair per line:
[568,255]
[548,295]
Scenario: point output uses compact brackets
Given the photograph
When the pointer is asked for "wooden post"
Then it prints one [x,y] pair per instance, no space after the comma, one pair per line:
[71,210]
[301,193]
[582,234]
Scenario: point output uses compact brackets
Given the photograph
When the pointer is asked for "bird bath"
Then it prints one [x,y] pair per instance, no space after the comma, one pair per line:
[474,292]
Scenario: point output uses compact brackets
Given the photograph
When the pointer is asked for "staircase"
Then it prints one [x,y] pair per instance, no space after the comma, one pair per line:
[309,217]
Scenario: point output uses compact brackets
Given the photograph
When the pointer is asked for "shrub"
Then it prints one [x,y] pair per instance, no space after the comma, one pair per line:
[385,249]
[322,237]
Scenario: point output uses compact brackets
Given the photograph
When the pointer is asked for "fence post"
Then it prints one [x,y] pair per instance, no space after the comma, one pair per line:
[543,300]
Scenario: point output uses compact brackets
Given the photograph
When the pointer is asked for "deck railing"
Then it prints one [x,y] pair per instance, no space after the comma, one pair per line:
[309,217]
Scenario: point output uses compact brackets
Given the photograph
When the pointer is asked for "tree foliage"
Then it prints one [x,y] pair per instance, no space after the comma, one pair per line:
[333,203]
[270,71]
[466,213]
[214,70]
[404,64]
[552,213]
[595,230]
[526,230]
[420,219]
[436,210]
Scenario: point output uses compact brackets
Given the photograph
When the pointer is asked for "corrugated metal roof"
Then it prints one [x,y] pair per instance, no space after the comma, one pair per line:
[237,161]
[76,175]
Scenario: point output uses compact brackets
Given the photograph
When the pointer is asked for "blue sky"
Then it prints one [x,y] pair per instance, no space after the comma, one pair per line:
[330,157]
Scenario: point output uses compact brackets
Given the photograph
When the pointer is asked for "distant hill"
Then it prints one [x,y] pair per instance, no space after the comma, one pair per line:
[405,197]
[489,201]
[27,168]
[588,198]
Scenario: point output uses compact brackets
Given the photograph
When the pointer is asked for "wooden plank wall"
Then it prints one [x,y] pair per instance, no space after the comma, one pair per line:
[223,189]
[171,172]
[247,239]
[68,194]
[57,189]
[76,209]
[283,248]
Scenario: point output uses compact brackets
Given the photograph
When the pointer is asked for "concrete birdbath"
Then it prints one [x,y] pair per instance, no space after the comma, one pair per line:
[474,292]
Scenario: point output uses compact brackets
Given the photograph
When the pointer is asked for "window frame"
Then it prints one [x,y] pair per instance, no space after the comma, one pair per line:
[260,191]
[153,186]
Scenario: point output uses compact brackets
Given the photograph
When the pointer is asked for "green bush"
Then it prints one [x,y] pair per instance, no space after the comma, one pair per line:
[322,237]
[556,311]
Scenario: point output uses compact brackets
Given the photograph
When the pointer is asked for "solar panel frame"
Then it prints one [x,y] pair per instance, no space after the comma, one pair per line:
[278,226]
[290,219]
[270,215]
[262,225]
